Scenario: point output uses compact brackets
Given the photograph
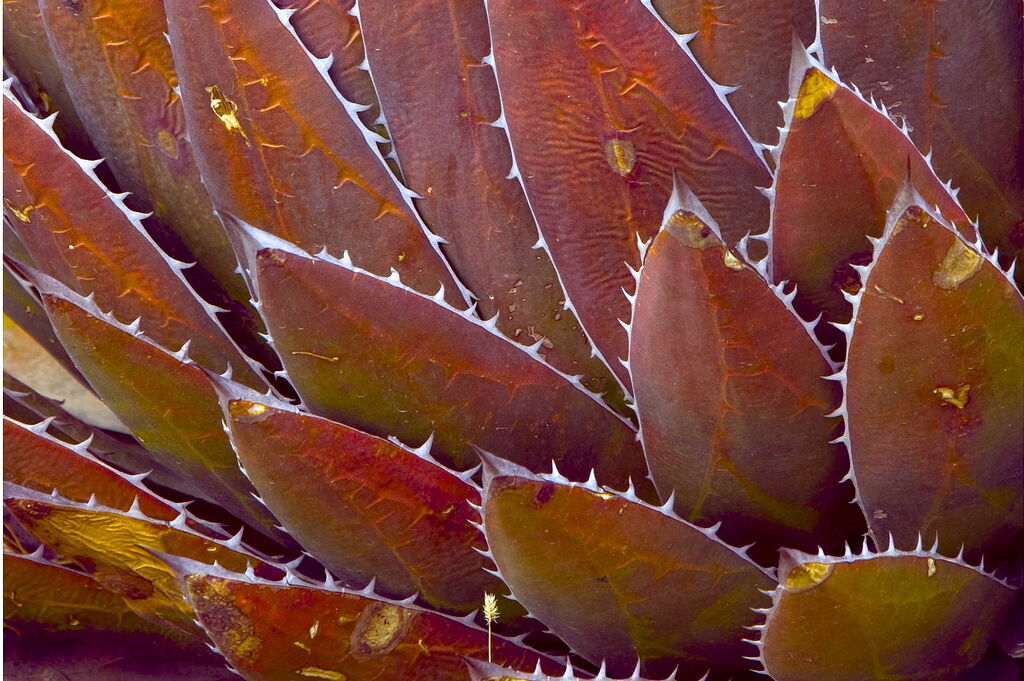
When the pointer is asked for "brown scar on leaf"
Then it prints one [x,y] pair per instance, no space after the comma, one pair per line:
[888,295]
[221,616]
[318,673]
[226,111]
[167,143]
[20,214]
[689,229]
[816,89]
[931,567]
[808,574]
[621,155]
[957,398]
[313,354]
[379,629]
[730,260]
[960,264]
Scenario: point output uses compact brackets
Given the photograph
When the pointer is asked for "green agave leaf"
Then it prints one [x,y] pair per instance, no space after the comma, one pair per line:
[430,52]
[365,507]
[599,119]
[117,66]
[897,616]
[37,460]
[954,74]
[169,404]
[745,43]
[116,549]
[329,27]
[933,382]
[728,386]
[428,368]
[840,165]
[617,579]
[27,52]
[89,240]
[280,148]
[269,631]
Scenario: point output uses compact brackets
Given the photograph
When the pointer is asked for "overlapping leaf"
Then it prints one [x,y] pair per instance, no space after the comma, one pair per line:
[840,166]
[430,52]
[616,579]
[953,72]
[85,237]
[280,149]
[746,44]
[365,507]
[729,390]
[428,368]
[167,402]
[897,616]
[270,631]
[933,389]
[599,120]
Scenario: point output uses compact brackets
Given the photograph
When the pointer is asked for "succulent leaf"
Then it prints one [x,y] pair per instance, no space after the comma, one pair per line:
[729,392]
[898,616]
[932,380]
[599,121]
[639,583]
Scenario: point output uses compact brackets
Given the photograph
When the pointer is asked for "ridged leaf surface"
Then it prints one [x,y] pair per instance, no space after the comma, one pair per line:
[599,120]
[934,400]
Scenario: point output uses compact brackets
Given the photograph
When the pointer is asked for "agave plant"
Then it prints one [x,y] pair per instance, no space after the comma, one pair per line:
[513,339]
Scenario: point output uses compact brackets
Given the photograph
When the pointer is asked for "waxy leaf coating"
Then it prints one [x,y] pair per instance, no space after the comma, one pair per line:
[599,121]
[933,391]
[731,399]
[430,369]
[365,507]
[270,632]
[278,149]
[888,617]
[617,579]
[426,57]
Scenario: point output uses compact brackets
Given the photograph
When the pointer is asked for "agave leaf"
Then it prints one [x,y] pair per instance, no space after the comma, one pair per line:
[480,670]
[23,308]
[993,667]
[328,27]
[840,166]
[728,385]
[932,64]
[279,148]
[117,67]
[897,616]
[269,631]
[169,404]
[1010,636]
[617,579]
[745,43]
[115,548]
[430,52]
[365,507]
[89,240]
[36,460]
[599,120]
[28,54]
[428,368]
[933,389]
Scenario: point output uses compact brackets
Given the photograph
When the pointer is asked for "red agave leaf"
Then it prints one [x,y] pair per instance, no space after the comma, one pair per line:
[599,120]
[428,368]
[430,52]
[954,73]
[729,390]
[280,149]
[364,507]
[897,616]
[745,43]
[840,165]
[617,579]
[269,631]
[85,237]
[933,389]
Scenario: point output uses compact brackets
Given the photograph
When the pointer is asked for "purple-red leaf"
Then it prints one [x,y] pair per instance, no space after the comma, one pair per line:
[600,119]
[933,390]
